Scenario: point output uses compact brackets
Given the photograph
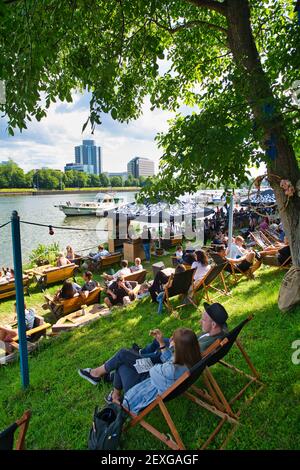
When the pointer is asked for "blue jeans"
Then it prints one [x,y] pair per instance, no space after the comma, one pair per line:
[146,247]
[160,300]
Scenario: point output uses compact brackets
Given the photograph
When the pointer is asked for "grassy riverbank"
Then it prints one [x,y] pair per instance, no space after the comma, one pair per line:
[29,191]
[62,403]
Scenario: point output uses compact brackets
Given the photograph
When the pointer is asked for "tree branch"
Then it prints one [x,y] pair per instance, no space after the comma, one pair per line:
[190,24]
[211,5]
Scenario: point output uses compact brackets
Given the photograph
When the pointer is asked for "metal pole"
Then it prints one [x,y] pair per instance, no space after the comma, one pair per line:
[17,254]
[230,225]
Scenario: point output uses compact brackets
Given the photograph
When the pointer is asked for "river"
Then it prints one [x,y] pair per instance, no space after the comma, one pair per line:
[40,209]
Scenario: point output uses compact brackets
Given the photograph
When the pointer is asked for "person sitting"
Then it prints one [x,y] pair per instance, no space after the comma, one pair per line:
[89,284]
[243,264]
[161,280]
[141,389]
[3,279]
[32,320]
[143,291]
[68,291]
[102,252]
[237,249]
[201,265]
[62,260]
[264,225]
[179,254]
[137,265]
[117,291]
[218,239]
[276,255]
[124,271]
[213,324]
[70,253]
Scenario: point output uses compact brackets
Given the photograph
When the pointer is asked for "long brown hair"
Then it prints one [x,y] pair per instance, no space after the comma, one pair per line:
[187,349]
[201,257]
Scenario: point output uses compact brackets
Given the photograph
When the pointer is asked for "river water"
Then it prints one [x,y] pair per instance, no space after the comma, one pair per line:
[40,209]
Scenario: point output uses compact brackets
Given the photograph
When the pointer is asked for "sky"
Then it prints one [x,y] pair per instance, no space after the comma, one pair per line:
[50,142]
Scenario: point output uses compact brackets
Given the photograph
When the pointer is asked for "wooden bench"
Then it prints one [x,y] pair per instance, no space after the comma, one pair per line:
[38,329]
[138,276]
[9,289]
[105,261]
[64,306]
[55,275]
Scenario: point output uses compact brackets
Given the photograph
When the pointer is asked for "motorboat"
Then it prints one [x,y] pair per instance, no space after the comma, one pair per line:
[100,207]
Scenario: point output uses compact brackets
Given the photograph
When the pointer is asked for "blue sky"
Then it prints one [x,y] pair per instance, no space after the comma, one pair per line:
[51,141]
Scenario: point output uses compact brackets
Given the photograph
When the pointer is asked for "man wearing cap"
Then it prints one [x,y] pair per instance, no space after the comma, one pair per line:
[213,324]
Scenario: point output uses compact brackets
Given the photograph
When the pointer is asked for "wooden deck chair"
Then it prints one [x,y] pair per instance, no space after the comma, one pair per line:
[260,240]
[272,237]
[178,284]
[219,261]
[56,274]
[213,393]
[7,436]
[35,332]
[8,289]
[64,306]
[182,386]
[214,274]
[138,276]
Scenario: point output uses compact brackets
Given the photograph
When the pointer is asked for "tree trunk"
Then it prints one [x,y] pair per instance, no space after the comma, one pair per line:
[258,93]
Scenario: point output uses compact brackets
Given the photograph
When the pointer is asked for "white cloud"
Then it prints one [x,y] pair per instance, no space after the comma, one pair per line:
[51,141]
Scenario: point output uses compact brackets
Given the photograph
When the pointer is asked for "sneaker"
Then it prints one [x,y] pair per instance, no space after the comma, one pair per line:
[85,374]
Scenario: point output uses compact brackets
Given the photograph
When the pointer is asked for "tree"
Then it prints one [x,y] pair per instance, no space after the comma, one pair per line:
[104,180]
[233,61]
[116,181]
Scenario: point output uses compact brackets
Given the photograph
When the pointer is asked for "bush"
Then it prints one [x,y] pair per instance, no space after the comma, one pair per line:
[43,254]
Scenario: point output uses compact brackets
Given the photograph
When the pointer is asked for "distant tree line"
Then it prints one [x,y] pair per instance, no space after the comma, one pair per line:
[12,176]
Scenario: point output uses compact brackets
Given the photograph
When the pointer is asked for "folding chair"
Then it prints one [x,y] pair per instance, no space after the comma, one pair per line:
[260,240]
[7,436]
[214,394]
[204,284]
[178,284]
[181,387]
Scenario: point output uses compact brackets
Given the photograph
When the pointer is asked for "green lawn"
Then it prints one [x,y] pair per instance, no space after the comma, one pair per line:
[62,403]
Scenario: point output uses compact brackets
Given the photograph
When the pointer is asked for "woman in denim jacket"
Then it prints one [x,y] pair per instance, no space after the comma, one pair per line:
[141,389]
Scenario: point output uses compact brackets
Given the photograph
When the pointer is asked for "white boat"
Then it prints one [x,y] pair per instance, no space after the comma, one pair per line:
[99,207]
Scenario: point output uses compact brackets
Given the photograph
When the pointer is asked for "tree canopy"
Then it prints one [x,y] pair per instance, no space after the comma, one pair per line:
[172,51]
[227,68]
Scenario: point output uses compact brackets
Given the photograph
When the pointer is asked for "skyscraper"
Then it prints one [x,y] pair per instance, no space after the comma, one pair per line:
[140,167]
[89,155]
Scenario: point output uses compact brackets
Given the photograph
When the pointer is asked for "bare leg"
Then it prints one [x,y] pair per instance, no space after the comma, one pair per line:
[99,371]
[108,302]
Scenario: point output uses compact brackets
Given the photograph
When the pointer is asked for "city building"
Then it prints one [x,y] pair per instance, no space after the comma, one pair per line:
[123,174]
[140,167]
[89,155]
[73,166]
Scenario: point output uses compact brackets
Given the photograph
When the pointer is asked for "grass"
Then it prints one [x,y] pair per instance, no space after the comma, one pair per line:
[62,403]
[96,188]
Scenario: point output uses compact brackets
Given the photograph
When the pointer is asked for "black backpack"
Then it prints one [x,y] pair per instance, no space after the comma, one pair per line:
[106,430]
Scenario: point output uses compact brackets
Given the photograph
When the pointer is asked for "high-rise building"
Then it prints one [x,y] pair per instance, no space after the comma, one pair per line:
[89,155]
[74,166]
[140,167]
